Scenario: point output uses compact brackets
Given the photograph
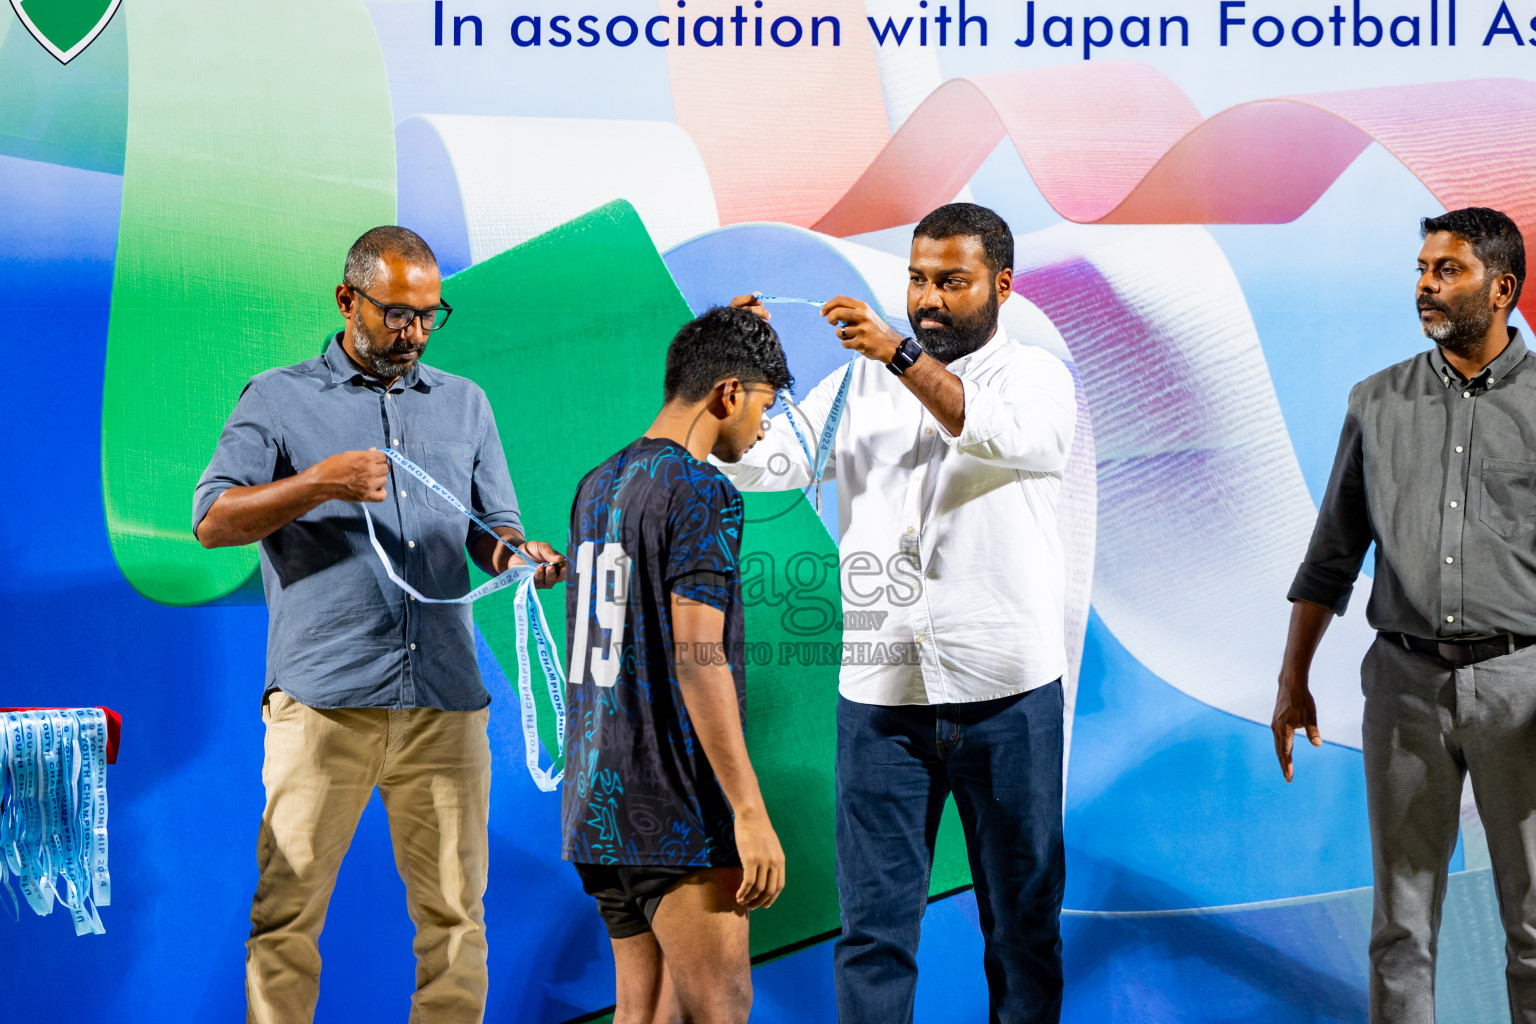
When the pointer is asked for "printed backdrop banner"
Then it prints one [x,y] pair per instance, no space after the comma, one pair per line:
[1216,212]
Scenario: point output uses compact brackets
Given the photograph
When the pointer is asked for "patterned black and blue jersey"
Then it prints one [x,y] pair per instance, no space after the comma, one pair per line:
[650,522]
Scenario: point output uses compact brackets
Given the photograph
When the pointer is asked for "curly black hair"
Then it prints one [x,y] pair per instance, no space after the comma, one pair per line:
[724,342]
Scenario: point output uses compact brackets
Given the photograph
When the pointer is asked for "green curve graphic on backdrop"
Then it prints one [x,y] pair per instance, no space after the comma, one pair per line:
[245,180]
[568,333]
[573,371]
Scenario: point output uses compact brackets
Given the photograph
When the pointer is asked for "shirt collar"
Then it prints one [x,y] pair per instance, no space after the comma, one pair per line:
[981,355]
[1500,368]
[343,370]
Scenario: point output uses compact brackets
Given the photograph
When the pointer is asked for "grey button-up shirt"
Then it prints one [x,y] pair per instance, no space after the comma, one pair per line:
[341,635]
[1441,473]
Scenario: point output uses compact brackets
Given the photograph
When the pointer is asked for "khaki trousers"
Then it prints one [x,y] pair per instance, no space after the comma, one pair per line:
[433,771]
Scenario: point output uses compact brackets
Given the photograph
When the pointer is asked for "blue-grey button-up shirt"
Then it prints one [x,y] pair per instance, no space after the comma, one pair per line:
[1440,472]
[341,635]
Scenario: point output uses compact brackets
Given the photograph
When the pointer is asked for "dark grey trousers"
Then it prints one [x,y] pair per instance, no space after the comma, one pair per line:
[1427,725]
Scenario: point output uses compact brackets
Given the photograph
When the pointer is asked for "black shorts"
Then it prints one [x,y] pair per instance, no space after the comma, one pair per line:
[627,894]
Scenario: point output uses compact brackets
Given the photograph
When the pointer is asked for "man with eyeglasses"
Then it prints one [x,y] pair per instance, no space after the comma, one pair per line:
[365,686]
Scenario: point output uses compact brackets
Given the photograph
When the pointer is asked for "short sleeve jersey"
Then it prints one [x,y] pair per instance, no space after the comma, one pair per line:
[650,522]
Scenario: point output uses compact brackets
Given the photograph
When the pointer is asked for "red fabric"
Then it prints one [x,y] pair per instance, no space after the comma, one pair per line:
[114,728]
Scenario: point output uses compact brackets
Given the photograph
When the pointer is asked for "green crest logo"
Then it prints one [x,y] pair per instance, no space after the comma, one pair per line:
[65,27]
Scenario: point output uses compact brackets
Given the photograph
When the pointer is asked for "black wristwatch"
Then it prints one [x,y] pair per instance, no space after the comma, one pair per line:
[905,356]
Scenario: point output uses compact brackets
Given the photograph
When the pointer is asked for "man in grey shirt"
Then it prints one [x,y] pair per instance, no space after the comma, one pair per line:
[366,686]
[1437,467]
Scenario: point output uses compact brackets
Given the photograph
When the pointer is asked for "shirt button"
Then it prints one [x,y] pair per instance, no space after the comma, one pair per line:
[1450,618]
[919,638]
[413,647]
[395,441]
[1490,379]
[1453,504]
[928,430]
[390,395]
[911,529]
[1449,559]
[1466,394]
[1458,448]
[402,490]
[410,543]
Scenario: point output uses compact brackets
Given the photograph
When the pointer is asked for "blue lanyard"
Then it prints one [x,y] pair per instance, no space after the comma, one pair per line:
[53,811]
[818,303]
[527,613]
[818,459]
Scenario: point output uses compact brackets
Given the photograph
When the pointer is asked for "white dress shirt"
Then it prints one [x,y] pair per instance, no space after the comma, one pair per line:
[954,538]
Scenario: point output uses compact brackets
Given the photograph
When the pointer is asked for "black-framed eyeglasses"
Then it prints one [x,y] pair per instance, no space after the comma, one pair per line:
[398,318]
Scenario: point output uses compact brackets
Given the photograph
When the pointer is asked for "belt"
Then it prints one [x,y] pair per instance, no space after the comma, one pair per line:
[1464,652]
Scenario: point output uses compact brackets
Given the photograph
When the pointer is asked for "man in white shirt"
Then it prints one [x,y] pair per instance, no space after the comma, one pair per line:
[948,459]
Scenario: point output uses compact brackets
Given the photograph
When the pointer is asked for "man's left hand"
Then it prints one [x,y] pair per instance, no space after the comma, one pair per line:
[862,329]
[554,568]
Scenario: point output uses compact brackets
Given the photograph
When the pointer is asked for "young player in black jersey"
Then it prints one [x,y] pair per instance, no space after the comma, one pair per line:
[662,814]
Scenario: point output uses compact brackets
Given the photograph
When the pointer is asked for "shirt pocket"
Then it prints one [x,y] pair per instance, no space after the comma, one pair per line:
[1507,505]
[452,465]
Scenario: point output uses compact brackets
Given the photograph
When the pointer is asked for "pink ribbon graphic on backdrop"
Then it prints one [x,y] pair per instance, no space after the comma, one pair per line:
[1114,143]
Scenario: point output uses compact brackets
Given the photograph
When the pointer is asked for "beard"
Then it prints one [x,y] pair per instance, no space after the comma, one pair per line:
[1464,324]
[375,354]
[960,335]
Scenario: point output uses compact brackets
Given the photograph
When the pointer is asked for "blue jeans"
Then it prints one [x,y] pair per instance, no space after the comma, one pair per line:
[1002,760]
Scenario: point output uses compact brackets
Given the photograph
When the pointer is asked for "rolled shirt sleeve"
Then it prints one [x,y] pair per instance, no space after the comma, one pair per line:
[1021,417]
[1343,532]
[491,493]
[246,454]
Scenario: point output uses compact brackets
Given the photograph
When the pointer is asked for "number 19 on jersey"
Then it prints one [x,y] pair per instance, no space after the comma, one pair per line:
[606,572]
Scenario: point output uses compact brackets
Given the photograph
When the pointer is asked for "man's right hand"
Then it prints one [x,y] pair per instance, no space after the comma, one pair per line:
[353,476]
[762,859]
[247,514]
[1294,709]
